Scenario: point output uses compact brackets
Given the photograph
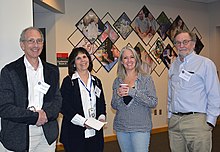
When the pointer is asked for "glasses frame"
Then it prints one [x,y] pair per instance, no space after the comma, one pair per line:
[184,42]
[33,41]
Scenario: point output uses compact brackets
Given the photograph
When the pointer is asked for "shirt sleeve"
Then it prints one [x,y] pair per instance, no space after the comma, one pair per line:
[78,120]
[213,93]
[101,117]
[169,97]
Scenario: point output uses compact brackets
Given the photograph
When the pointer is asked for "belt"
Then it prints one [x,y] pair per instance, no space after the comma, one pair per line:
[182,114]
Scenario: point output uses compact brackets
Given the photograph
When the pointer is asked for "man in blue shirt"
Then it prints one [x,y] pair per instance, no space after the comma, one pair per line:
[193,97]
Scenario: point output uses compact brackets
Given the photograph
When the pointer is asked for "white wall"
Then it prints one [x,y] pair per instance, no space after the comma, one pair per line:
[193,14]
[214,40]
[13,20]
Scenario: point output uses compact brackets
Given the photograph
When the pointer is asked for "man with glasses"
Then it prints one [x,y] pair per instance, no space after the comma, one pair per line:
[30,99]
[193,97]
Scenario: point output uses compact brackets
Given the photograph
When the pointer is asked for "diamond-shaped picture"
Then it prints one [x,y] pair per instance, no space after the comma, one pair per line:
[168,56]
[145,25]
[109,33]
[107,54]
[177,24]
[164,23]
[148,64]
[123,25]
[91,26]
[199,45]
[157,50]
[91,48]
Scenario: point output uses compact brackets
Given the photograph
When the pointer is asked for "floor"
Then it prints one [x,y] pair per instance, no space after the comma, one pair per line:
[160,143]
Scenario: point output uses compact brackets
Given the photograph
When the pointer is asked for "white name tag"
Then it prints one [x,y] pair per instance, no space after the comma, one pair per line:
[42,87]
[97,91]
[185,75]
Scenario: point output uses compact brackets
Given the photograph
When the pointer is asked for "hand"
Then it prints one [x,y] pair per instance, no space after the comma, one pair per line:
[42,118]
[85,125]
[123,91]
[102,120]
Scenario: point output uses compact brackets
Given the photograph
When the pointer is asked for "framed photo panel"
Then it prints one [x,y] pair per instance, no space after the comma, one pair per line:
[109,33]
[177,24]
[90,47]
[164,23]
[157,50]
[148,64]
[91,26]
[107,54]
[168,56]
[123,25]
[145,25]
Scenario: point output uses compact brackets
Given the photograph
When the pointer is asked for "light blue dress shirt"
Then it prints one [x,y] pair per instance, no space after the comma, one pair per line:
[200,93]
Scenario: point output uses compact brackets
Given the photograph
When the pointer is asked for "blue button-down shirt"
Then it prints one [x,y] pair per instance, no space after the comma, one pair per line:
[200,93]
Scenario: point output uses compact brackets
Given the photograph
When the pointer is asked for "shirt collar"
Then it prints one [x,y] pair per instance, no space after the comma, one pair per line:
[28,65]
[188,57]
[76,76]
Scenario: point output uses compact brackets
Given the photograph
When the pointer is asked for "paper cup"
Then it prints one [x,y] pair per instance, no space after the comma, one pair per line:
[123,85]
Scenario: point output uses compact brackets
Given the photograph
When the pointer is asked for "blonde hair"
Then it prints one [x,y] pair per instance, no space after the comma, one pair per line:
[121,69]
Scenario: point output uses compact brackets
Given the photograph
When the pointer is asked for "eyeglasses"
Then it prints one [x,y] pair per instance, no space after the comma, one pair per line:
[184,42]
[33,41]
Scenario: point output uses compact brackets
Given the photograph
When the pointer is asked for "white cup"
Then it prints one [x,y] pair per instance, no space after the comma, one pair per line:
[125,87]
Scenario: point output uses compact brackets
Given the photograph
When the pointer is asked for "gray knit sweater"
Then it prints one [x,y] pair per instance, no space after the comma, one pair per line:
[136,116]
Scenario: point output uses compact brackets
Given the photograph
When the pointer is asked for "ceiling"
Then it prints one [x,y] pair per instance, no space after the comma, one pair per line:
[40,9]
[203,1]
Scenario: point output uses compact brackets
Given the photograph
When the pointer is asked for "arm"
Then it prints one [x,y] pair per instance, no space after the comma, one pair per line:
[13,97]
[102,104]
[169,98]
[116,101]
[213,93]
[53,100]
[70,108]
[146,94]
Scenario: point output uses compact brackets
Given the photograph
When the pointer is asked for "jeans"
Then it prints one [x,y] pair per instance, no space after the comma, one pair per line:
[134,141]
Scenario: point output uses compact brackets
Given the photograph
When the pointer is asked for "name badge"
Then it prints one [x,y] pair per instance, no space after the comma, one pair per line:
[97,91]
[185,75]
[42,87]
[92,113]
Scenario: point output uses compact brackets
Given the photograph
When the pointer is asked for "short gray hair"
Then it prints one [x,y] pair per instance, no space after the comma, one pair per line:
[191,34]
[22,36]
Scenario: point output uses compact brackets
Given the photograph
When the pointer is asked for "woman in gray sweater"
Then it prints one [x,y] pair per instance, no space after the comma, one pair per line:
[133,97]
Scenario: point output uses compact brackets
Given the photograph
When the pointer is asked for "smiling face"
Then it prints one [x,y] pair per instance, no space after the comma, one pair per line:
[128,60]
[32,45]
[184,44]
[81,62]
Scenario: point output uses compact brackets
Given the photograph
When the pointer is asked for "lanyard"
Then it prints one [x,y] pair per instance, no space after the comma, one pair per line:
[88,90]
[91,111]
